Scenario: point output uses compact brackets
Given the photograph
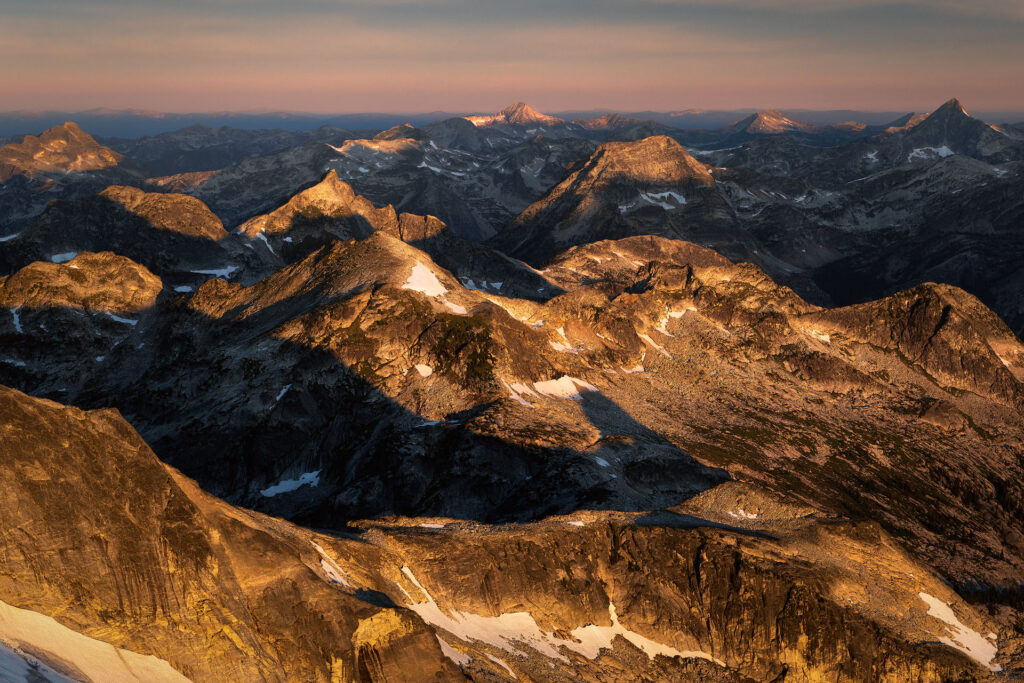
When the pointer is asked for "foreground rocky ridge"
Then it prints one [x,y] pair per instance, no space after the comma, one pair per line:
[720,597]
[663,370]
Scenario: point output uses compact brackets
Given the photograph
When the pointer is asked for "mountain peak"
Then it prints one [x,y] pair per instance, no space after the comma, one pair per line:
[64,148]
[952,106]
[657,160]
[769,122]
[519,113]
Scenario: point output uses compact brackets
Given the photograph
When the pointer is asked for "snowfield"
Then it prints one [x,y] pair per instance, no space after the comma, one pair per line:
[965,639]
[98,661]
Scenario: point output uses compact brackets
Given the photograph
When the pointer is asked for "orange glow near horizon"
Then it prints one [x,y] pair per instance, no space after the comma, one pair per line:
[107,54]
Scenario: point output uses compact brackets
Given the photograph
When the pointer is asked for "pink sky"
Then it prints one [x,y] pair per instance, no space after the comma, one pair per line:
[669,54]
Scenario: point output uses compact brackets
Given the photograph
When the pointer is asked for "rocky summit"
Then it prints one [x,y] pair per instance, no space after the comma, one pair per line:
[515,397]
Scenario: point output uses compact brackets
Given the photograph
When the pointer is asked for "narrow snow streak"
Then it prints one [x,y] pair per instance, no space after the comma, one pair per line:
[334,573]
[218,272]
[653,343]
[451,653]
[126,321]
[501,662]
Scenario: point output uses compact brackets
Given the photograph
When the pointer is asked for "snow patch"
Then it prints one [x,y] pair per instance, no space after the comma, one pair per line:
[424,370]
[8,238]
[19,666]
[965,639]
[334,573]
[16,316]
[564,387]
[516,390]
[455,308]
[184,288]
[288,485]
[742,514]
[264,238]
[126,321]
[820,336]
[660,198]
[593,639]
[423,280]
[451,653]
[501,662]
[95,660]
[281,393]
[510,631]
[930,153]
[64,257]
[654,344]
[224,272]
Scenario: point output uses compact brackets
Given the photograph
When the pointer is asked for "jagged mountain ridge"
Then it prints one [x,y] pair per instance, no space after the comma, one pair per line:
[366,609]
[613,340]
[841,224]
[623,386]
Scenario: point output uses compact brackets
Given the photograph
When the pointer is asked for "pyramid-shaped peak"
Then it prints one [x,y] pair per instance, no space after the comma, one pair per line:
[330,187]
[519,113]
[520,109]
[952,106]
[769,121]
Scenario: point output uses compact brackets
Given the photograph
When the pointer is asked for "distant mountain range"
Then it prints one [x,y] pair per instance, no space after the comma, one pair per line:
[132,123]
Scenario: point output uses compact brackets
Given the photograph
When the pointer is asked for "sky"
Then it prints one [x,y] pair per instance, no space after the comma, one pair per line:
[334,56]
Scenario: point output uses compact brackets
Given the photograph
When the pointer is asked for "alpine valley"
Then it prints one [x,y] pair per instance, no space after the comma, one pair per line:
[512,397]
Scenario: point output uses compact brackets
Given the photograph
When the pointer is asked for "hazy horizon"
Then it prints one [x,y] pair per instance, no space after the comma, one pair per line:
[362,56]
[265,111]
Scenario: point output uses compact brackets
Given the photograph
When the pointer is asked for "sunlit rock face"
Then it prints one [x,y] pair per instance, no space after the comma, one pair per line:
[65,148]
